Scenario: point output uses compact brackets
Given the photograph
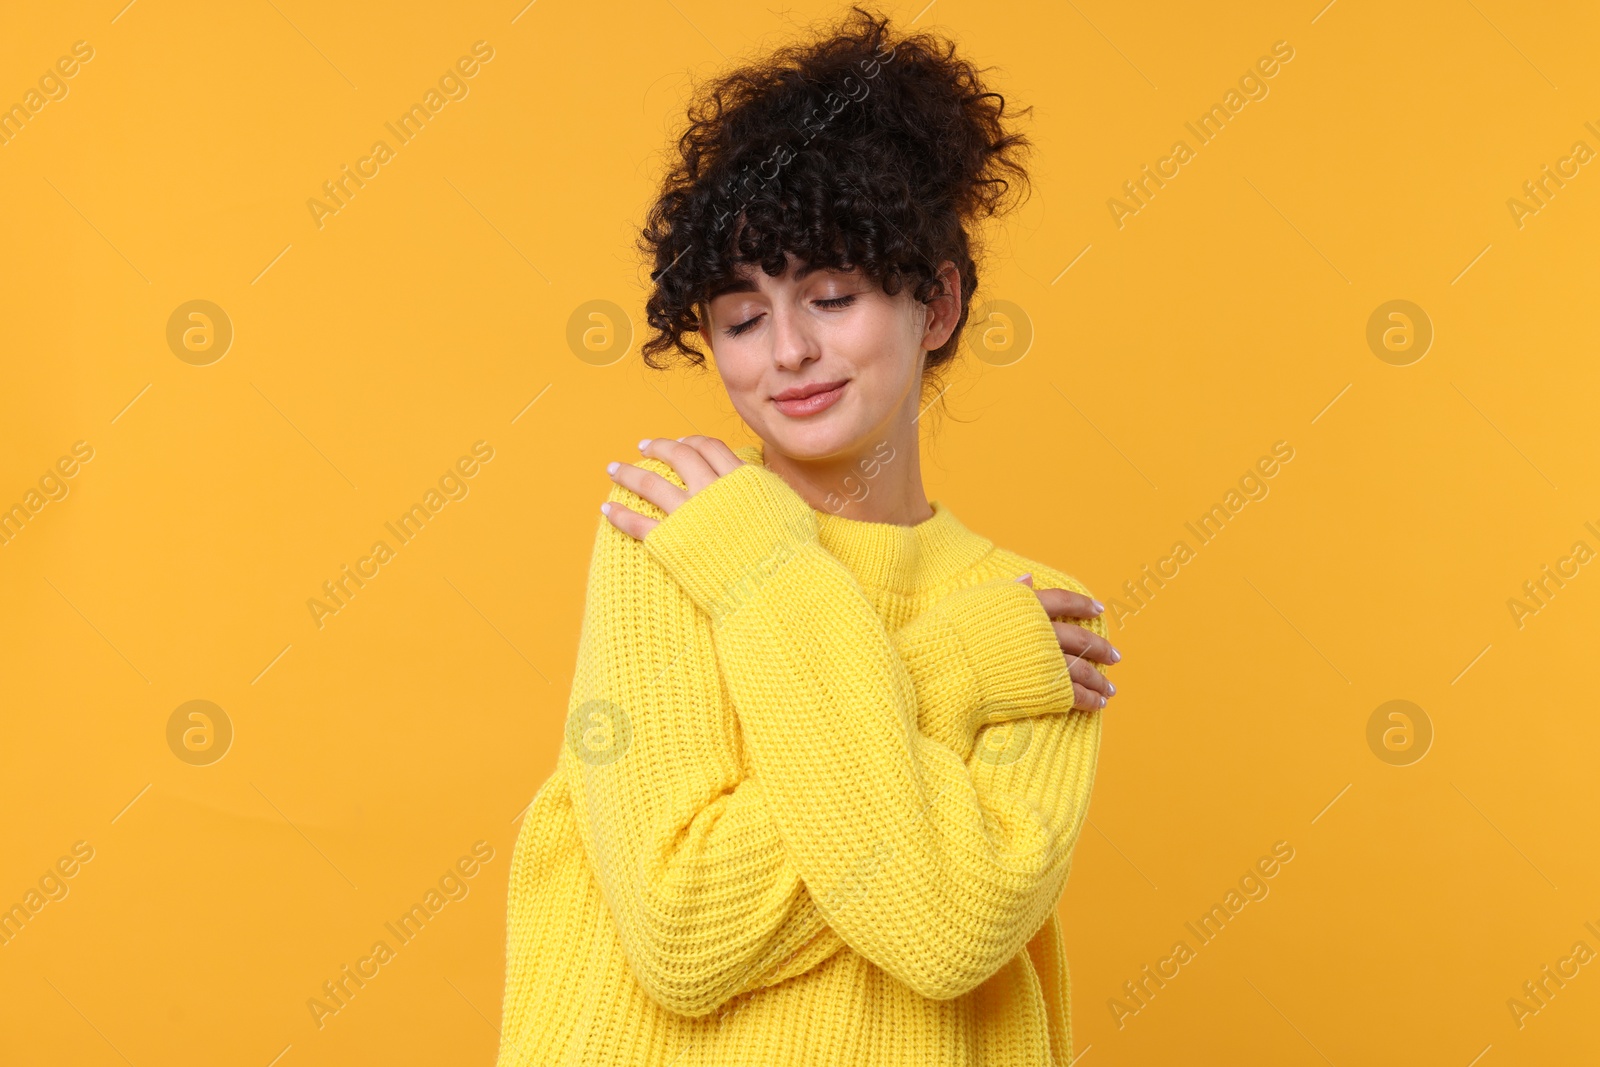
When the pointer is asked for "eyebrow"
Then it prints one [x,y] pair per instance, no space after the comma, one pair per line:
[747,285]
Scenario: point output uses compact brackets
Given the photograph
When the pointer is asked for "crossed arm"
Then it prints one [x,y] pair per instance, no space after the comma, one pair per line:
[797,778]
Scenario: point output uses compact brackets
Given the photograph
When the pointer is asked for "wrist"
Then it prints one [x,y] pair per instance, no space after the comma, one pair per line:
[726,540]
[1012,649]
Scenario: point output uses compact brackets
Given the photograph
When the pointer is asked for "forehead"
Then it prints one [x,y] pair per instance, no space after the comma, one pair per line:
[746,274]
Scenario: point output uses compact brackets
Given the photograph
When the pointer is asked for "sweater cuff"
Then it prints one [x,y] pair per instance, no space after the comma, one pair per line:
[724,542]
[1012,647]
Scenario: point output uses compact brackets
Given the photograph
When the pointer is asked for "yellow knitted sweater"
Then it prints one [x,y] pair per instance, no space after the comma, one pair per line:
[816,804]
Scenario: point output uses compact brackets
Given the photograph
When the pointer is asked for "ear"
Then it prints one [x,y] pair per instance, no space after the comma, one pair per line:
[703,313]
[944,310]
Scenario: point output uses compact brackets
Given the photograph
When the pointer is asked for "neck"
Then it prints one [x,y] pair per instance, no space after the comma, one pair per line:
[879,480]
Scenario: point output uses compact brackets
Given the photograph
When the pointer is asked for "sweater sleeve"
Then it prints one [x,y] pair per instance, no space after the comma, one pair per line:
[983,655]
[706,901]
[936,867]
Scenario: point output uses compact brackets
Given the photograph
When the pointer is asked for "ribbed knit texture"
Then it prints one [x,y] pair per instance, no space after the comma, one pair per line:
[816,804]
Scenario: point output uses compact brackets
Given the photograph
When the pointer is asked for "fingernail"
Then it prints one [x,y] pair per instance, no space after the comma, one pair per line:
[1102,702]
[605,509]
[611,468]
[678,439]
[1116,657]
[1098,607]
[645,442]
[1025,577]
[1112,687]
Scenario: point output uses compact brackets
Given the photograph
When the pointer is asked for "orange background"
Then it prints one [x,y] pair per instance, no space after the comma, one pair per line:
[369,755]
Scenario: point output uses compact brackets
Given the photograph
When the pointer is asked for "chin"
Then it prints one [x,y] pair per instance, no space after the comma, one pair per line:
[815,440]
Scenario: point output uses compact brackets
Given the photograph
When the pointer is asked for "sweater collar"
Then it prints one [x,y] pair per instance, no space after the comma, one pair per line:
[887,555]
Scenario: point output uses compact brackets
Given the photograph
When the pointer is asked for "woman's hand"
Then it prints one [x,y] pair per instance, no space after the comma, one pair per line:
[699,461]
[1079,643]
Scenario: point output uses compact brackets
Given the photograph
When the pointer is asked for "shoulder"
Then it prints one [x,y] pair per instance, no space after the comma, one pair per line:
[1014,565]
[624,578]
[1011,564]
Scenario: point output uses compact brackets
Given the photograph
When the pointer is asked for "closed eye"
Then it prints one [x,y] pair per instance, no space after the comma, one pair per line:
[832,304]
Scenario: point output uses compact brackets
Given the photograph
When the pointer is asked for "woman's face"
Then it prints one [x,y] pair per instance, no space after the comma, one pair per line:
[834,331]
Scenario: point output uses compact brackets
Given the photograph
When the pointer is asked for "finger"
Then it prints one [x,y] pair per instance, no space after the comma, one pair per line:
[685,459]
[627,520]
[1065,604]
[1087,700]
[715,452]
[1083,673]
[648,484]
[1078,640]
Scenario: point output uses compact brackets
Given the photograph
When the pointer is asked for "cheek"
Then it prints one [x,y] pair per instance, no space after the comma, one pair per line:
[890,356]
[877,340]
[741,376]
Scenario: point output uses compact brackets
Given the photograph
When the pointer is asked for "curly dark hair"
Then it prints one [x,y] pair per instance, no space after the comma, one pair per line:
[856,149]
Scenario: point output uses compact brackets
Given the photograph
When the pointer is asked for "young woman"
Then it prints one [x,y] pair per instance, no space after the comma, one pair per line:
[828,750]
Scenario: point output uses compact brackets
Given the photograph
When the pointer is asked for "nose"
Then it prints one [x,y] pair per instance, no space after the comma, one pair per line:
[793,345]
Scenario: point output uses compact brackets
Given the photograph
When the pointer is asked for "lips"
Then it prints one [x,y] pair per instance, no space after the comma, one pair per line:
[802,400]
